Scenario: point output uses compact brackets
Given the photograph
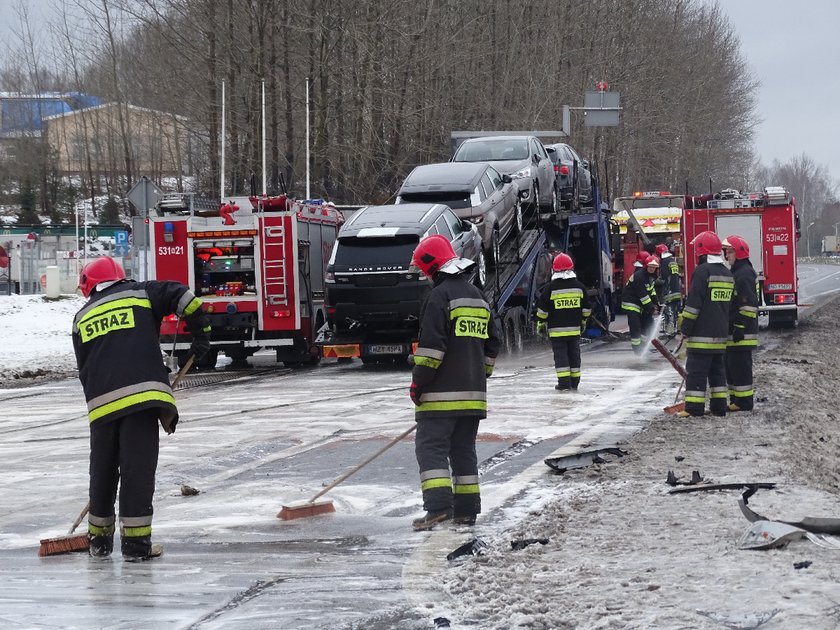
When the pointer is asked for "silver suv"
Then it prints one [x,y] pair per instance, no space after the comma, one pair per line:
[524,158]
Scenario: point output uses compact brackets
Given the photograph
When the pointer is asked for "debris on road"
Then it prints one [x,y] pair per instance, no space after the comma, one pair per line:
[516,545]
[189,491]
[474,547]
[581,460]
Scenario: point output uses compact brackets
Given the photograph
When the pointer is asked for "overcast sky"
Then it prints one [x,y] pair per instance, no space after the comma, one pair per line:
[792,46]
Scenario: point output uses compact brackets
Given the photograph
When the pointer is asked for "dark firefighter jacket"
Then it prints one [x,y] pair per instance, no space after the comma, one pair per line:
[456,352]
[116,337]
[705,318]
[636,296]
[565,307]
[743,311]
[670,274]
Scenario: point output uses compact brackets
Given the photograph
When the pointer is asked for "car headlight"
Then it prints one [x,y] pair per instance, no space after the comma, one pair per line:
[476,220]
[522,173]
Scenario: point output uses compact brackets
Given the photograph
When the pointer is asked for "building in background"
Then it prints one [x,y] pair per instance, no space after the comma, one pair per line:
[92,139]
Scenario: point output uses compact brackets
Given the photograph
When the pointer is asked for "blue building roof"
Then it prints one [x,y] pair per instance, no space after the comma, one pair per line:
[23,114]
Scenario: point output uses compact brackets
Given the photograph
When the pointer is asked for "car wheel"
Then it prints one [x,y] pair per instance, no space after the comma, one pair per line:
[481,271]
[518,216]
[496,245]
[554,200]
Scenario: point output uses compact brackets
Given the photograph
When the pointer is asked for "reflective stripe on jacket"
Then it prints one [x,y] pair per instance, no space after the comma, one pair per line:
[705,317]
[456,352]
[116,338]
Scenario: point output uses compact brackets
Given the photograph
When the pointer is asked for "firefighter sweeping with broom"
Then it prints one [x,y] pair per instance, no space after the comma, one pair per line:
[705,324]
[126,385]
[563,309]
[455,354]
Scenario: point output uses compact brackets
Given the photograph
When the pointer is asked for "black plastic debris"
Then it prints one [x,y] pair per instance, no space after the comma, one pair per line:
[189,491]
[815,525]
[441,622]
[580,460]
[475,547]
[516,545]
[802,565]
[673,480]
[723,486]
[679,458]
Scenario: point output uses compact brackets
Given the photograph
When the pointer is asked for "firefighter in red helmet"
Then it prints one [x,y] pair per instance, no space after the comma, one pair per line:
[126,385]
[563,309]
[705,324]
[638,300]
[743,324]
[455,354]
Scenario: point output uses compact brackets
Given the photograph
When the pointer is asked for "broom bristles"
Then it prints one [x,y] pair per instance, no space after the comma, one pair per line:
[63,544]
[290,512]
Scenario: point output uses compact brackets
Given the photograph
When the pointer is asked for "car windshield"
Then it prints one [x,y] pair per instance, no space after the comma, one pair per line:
[452,199]
[360,254]
[492,150]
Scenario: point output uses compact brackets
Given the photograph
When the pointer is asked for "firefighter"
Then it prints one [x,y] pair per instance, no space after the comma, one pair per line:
[743,324]
[638,301]
[670,294]
[563,309]
[455,354]
[126,385]
[705,324]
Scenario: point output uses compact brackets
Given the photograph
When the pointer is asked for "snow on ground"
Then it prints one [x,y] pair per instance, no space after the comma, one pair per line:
[37,336]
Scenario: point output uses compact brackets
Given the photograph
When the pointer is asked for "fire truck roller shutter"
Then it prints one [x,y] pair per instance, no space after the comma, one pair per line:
[748,227]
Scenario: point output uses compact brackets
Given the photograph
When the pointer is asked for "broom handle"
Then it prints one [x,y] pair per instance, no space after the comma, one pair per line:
[671,358]
[183,370]
[82,514]
[353,471]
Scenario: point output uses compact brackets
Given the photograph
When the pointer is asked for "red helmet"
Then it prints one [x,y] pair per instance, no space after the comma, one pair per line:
[706,243]
[562,262]
[102,269]
[642,256]
[432,253]
[661,248]
[652,261]
[742,250]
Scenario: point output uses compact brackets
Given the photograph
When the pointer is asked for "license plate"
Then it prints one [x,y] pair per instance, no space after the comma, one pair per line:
[387,348]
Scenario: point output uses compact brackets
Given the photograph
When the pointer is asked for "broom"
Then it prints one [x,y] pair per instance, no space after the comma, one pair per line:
[81,542]
[68,543]
[677,406]
[311,508]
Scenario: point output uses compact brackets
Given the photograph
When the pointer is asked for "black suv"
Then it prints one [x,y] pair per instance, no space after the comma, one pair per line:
[370,283]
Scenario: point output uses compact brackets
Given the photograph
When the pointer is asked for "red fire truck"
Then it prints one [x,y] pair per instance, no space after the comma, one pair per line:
[258,265]
[768,222]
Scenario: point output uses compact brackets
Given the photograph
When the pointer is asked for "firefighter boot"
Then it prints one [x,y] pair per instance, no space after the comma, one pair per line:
[101,546]
[430,519]
[464,519]
[135,548]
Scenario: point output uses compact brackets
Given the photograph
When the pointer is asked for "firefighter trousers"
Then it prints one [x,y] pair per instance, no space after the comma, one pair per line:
[739,369]
[640,327]
[123,452]
[567,361]
[445,450]
[703,367]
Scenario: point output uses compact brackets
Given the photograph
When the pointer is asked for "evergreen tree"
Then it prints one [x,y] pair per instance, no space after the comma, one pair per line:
[110,214]
[26,199]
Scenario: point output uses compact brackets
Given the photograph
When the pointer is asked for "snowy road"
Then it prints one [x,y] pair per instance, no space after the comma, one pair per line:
[256,443]
[252,444]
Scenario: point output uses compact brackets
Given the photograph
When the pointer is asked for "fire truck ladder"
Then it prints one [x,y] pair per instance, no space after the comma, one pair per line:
[274,265]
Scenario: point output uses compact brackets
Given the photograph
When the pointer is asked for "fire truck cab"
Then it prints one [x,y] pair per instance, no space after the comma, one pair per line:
[769,223]
[644,220]
[257,263]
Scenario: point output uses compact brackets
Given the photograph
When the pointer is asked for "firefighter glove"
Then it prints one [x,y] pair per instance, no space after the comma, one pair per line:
[414,392]
[738,334]
[200,347]
[542,327]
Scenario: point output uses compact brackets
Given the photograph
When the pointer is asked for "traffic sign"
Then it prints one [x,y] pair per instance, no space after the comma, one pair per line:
[144,195]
